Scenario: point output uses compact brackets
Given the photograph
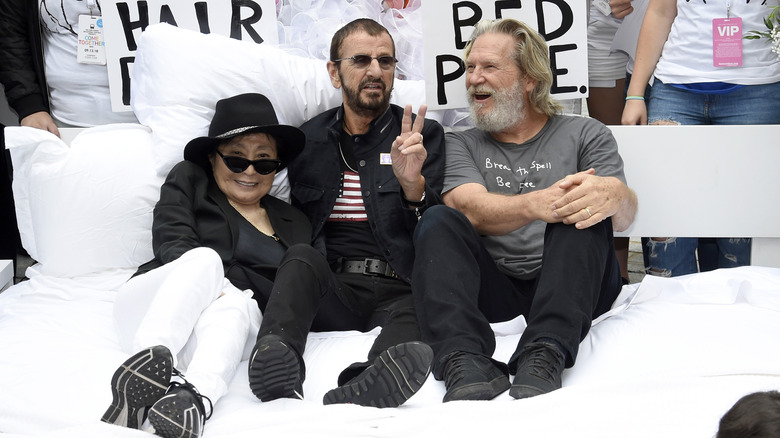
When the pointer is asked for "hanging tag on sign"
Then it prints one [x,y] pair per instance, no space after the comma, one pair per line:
[91,49]
[727,42]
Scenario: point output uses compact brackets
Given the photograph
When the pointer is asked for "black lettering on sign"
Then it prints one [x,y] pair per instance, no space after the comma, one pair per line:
[557,72]
[202,14]
[128,25]
[236,22]
[124,66]
[466,14]
[442,78]
[503,5]
[567,19]
[458,22]
[166,16]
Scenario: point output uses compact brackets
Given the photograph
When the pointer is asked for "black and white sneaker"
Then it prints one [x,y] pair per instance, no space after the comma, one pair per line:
[275,370]
[137,384]
[180,413]
[396,375]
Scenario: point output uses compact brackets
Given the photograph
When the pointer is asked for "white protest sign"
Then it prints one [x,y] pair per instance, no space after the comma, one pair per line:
[449,24]
[125,20]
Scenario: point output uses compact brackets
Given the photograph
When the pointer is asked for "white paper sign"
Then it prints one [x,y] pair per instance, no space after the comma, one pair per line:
[125,20]
[447,26]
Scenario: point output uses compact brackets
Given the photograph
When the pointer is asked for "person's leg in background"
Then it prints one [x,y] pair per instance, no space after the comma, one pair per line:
[10,243]
[607,83]
[747,105]
[644,240]
[707,254]
[750,104]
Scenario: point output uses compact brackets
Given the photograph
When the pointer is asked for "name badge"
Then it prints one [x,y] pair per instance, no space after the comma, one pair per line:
[385,159]
[91,45]
[727,42]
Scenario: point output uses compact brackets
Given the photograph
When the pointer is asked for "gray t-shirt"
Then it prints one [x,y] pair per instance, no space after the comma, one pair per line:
[565,145]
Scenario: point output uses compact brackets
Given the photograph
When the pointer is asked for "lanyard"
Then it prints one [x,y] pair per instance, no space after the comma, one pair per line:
[91,5]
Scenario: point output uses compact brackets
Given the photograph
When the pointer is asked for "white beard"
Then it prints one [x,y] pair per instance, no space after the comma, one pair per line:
[508,109]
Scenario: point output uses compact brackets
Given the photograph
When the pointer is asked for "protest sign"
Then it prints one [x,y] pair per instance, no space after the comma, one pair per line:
[448,26]
[125,20]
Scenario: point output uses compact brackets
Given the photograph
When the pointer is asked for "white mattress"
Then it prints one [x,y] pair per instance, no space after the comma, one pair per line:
[668,361]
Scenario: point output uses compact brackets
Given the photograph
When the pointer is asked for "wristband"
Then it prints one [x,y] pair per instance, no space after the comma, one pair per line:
[635,98]
[415,204]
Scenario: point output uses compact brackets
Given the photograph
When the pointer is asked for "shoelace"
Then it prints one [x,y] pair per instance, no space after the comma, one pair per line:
[191,388]
[542,362]
[454,370]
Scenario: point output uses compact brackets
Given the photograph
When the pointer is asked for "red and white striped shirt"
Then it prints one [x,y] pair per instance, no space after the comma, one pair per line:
[349,206]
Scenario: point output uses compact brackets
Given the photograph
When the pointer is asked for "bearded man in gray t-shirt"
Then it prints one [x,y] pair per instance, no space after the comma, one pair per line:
[532,198]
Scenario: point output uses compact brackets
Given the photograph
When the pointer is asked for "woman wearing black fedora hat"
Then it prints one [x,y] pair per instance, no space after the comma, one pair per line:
[218,239]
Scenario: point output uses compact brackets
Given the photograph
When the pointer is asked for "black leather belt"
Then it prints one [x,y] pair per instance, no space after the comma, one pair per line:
[367,266]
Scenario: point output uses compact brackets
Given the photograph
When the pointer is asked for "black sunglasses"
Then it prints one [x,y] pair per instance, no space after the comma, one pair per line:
[386,62]
[263,166]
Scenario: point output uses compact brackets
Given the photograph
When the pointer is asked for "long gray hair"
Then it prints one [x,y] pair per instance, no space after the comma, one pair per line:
[530,54]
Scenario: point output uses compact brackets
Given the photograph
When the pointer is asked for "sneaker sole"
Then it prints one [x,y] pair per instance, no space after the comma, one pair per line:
[274,371]
[137,384]
[479,391]
[526,391]
[171,419]
[396,375]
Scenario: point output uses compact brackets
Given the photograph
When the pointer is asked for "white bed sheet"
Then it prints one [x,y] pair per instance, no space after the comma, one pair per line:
[668,361]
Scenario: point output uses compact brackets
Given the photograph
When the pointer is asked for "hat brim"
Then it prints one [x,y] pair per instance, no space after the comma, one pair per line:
[289,144]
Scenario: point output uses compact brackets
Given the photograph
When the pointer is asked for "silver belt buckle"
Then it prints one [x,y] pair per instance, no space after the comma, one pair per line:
[367,263]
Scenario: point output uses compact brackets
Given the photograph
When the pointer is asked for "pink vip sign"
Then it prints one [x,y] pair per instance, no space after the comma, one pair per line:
[727,42]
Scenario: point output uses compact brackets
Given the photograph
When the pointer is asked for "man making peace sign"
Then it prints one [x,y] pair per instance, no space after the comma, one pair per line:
[364,179]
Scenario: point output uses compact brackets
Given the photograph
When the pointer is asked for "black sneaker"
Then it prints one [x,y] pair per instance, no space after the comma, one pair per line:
[137,384]
[470,376]
[397,374]
[538,371]
[180,413]
[275,370]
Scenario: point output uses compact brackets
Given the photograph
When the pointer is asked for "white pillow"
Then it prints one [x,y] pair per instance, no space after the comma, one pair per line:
[86,208]
[179,75]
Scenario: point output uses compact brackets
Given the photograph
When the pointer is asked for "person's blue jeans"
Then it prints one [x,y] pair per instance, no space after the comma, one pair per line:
[674,256]
[748,105]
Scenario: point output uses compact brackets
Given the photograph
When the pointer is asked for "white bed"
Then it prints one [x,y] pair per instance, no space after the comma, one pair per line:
[667,361]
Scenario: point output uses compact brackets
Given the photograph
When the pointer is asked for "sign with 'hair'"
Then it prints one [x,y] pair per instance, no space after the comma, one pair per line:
[125,20]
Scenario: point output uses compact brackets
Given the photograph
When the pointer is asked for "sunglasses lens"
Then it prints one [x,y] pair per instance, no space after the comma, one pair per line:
[386,62]
[236,164]
[266,166]
[361,61]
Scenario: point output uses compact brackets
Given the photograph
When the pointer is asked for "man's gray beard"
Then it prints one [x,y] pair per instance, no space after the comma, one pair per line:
[509,109]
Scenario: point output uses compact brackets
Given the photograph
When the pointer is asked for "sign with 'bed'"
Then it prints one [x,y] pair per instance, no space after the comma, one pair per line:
[447,27]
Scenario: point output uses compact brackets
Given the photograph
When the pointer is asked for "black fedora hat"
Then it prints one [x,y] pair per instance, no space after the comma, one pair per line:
[244,114]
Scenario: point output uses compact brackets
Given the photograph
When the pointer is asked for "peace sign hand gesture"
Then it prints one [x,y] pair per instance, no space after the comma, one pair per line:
[408,154]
